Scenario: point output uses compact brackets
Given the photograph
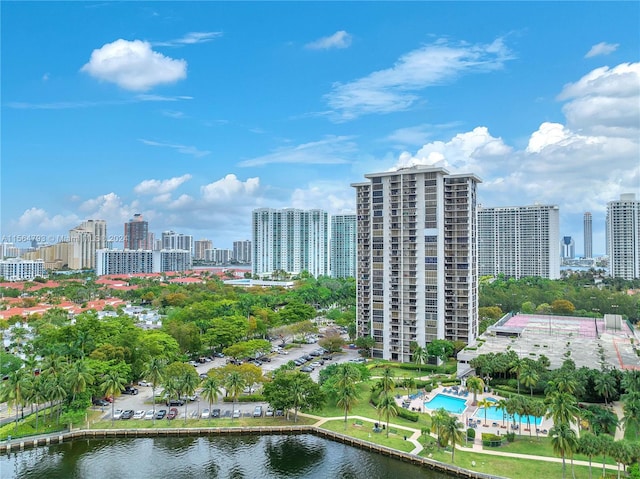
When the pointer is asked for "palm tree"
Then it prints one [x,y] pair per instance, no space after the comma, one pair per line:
[420,356]
[78,377]
[475,385]
[452,431]
[621,453]
[501,405]
[517,366]
[605,385]
[346,391]
[485,404]
[234,383]
[408,383]
[14,390]
[387,407]
[563,440]
[211,390]
[154,373]
[386,383]
[631,411]
[112,384]
[188,384]
[562,408]
[605,444]
[588,445]
[538,410]
[529,377]
[437,421]
[38,394]
[57,392]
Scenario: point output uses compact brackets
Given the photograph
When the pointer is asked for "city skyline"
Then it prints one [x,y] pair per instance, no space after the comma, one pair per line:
[194,127]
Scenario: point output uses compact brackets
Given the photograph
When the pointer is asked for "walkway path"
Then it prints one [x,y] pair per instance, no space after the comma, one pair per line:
[476,447]
[617,408]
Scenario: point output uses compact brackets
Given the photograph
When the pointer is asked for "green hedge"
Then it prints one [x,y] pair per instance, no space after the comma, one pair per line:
[491,440]
[247,398]
[408,415]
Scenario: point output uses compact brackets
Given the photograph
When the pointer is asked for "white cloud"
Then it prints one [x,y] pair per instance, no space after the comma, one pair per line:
[328,151]
[160,187]
[66,105]
[230,188]
[397,88]
[190,39]
[602,48]
[184,149]
[133,65]
[37,220]
[332,196]
[340,39]
[605,101]
[174,114]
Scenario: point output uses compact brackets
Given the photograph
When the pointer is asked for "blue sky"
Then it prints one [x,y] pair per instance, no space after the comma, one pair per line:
[193,114]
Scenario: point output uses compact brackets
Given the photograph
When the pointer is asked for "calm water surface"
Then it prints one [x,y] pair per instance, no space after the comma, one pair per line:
[252,457]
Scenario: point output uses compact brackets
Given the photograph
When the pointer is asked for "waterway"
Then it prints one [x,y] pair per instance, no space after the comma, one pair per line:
[233,457]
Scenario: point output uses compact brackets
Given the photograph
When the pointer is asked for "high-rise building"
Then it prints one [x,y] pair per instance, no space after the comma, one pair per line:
[136,234]
[623,237]
[218,256]
[588,235]
[343,246]
[200,246]
[417,277]
[173,240]
[567,248]
[242,252]
[18,269]
[84,240]
[519,241]
[290,240]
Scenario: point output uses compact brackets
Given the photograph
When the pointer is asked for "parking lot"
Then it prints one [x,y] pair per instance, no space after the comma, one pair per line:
[143,401]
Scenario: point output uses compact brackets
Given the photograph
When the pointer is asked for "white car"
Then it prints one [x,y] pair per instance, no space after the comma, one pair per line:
[138,414]
[117,414]
[144,383]
[205,414]
[149,414]
[236,413]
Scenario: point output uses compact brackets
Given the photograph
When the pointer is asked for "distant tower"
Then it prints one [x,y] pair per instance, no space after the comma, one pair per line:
[588,236]
[567,248]
[136,233]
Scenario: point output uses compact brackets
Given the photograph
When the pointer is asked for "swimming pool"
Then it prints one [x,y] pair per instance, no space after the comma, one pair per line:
[451,404]
[494,414]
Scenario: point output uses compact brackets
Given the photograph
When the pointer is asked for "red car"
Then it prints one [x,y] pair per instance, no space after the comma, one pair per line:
[173,413]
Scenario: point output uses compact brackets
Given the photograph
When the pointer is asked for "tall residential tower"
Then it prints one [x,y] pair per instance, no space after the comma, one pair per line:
[623,237]
[343,246]
[417,277]
[519,241]
[588,235]
[136,234]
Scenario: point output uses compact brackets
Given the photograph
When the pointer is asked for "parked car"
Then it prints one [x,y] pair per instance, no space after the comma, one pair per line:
[144,383]
[257,411]
[138,414]
[173,413]
[117,414]
[205,414]
[279,412]
[236,413]
[149,414]
[219,355]
[161,414]
[127,414]
[269,412]
[306,369]
[130,390]
[100,402]
[175,402]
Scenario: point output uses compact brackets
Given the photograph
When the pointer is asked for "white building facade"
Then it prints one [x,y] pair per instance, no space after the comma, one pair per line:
[519,241]
[84,240]
[18,269]
[623,237]
[242,252]
[177,241]
[290,240]
[343,246]
[417,277]
[109,261]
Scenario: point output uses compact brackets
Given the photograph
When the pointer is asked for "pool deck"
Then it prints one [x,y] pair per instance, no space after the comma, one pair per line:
[470,416]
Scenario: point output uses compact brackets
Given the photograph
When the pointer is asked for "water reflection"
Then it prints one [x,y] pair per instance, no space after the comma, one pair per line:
[293,455]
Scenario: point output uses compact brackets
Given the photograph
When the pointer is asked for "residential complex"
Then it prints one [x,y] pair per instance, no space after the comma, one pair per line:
[290,240]
[242,252]
[588,235]
[109,261]
[18,269]
[623,237]
[519,241]
[417,277]
[218,256]
[173,240]
[343,246]
[84,240]
[200,246]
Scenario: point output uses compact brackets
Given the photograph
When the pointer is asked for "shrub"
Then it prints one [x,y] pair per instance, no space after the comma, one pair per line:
[491,440]
[408,415]
[471,433]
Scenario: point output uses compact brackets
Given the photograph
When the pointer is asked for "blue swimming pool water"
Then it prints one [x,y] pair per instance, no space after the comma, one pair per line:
[496,415]
[451,404]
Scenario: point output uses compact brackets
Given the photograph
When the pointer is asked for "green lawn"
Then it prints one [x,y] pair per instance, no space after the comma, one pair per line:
[364,432]
[540,447]
[217,422]
[630,433]
[399,373]
[513,468]
[27,426]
